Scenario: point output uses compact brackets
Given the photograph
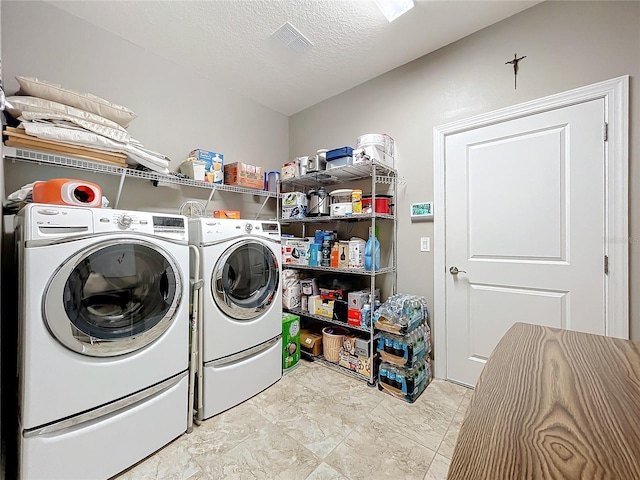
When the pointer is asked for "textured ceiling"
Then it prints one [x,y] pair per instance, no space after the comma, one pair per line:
[229,41]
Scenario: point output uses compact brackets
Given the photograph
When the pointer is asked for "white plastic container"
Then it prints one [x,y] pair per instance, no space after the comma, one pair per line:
[341,202]
[339,162]
[381,140]
[377,147]
[342,195]
[339,209]
[193,169]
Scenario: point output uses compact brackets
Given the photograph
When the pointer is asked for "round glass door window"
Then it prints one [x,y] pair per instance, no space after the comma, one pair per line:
[115,299]
[246,280]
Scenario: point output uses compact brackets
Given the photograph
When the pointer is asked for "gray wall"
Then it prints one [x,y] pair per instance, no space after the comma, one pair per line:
[568,45]
[177,110]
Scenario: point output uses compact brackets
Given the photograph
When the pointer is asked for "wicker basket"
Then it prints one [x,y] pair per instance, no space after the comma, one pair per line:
[332,338]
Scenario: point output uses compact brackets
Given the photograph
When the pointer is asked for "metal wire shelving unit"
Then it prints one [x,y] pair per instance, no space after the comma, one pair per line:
[379,174]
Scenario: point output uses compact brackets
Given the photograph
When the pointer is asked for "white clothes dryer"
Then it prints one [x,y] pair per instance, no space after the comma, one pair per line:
[240,265]
[103,347]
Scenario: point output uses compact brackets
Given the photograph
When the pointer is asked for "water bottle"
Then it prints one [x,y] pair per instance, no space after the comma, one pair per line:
[398,347]
[388,345]
[383,374]
[400,379]
[365,315]
[391,376]
[409,349]
[410,379]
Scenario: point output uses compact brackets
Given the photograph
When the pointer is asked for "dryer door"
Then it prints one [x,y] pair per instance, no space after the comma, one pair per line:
[113,298]
[245,280]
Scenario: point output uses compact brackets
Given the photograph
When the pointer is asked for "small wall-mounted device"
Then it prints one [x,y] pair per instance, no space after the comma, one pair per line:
[421,211]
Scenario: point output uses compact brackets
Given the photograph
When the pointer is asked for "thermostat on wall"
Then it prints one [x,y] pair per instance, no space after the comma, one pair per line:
[421,211]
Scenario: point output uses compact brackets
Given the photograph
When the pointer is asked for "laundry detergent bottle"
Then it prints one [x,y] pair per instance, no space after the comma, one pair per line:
[372,252]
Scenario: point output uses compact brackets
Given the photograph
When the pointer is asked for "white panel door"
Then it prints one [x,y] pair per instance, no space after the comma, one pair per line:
[525,227]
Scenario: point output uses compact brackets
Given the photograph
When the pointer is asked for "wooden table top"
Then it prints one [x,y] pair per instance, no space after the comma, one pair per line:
[553,404]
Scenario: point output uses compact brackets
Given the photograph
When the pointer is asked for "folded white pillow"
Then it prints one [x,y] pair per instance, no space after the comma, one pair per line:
[19,104]
[84,101]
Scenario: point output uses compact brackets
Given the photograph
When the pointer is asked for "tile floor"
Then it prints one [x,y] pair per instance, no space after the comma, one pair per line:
[318,424]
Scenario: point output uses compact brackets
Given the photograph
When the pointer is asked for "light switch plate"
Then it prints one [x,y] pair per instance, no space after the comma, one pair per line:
[425,244]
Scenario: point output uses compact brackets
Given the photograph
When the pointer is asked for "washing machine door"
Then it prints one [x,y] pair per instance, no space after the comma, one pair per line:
[113,298]
[245,280]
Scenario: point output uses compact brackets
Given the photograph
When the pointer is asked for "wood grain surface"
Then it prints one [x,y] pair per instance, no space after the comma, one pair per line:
[553,404]
[18,138]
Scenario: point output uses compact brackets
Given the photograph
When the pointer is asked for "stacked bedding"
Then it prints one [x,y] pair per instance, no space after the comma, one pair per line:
[77,124]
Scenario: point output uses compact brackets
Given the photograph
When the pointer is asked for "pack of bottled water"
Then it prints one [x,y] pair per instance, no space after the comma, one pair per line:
[405,383]
[401,314]
[405,350]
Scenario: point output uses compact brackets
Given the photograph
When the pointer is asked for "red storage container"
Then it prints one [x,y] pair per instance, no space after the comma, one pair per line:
[383,204]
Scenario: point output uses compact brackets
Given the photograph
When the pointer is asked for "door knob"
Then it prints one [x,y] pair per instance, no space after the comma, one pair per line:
[455,271]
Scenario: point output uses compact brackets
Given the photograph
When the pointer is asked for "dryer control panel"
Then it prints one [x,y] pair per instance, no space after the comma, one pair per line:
[207,230]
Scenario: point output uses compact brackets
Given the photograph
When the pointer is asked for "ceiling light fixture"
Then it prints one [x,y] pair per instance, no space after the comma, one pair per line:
[392,9]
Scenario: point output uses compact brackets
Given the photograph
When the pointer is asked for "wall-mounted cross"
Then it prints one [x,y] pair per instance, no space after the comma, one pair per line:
[514,62]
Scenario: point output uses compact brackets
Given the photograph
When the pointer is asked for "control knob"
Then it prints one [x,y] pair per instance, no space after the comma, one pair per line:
[125,221]
[248,227]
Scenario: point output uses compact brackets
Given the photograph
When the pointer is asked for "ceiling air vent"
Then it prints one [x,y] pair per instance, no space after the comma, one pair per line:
[292,38]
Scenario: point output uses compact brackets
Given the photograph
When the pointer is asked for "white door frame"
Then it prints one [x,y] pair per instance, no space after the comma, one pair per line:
[616,97]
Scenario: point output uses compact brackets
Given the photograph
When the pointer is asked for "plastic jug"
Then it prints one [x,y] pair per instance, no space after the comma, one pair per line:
[372,252]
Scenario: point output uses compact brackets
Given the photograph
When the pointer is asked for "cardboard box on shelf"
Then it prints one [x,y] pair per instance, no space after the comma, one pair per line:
[356,253]
[349,344]
[311,342]
[295,251]
[243,175]
[343,254]
[213,164]
[323,307]
[358,299]
[361,365]
[294,205]
[332,294]
[291,296]
[364,366]
[226,214]
[354,317]
[362,346]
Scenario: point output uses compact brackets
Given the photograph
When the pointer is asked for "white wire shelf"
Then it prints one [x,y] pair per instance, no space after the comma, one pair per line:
[335,366]
[33,156]
[329,219]
[354,271]
[348,173]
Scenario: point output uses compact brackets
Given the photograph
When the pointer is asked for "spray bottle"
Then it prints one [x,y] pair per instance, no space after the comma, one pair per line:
[372,252]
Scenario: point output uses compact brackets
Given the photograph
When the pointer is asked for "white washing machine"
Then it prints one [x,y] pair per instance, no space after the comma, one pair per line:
[103,347]
[242,309]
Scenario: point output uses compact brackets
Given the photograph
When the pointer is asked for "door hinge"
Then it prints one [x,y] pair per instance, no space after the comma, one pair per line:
[605,131]
[606,264]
